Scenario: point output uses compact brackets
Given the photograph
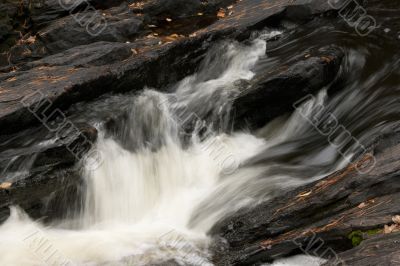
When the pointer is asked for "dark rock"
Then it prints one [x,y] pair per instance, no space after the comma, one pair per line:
[45,11]
[11,24]
[327,211]
[273,93]
[84,66]
[61,148]
[94,54]
[66,85]
[113,25]
[53,178]
[167,8]
[47,194]
[254,13]
[379,250]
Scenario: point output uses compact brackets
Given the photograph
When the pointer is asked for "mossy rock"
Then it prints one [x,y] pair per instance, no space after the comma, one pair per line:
[358,236]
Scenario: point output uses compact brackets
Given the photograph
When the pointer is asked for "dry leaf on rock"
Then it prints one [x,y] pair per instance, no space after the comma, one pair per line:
[391,229]
[362,205]
[5,185]
[396,219]
[221,13]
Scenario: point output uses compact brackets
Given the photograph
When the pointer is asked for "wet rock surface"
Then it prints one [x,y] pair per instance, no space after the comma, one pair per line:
[59,62]
[48,183]
[274,92]
[150,43]
[68,80]
[319,218]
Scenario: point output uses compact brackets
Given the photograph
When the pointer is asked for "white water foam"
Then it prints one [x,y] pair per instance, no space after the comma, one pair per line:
[139,204]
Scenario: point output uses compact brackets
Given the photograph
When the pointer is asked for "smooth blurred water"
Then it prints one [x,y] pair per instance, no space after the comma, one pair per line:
[172,167]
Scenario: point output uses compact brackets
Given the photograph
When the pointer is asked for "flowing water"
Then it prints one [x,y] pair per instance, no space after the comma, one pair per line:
[173,167]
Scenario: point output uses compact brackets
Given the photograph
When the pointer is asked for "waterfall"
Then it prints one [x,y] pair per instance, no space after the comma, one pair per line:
[168,173]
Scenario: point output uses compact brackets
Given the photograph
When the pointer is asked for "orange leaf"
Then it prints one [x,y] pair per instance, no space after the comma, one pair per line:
[221,13]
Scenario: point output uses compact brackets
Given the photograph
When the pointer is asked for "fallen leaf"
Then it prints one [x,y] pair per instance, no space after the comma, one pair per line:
[11,79]
[221,13]
[390,228]
[169,39]
[168,19]
[134,51]
[267,243]
[174,35]
[304,194]
[30,40]
[152,26]
[362,205]
[5,185]
[192,35]
[307,55]
[200,14]
[230,7]
[396,219]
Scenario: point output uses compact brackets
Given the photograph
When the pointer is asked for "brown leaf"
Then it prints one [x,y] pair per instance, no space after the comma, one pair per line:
[11,79]
[267,243]
[30,40]
[396,219]
[304,194]
[362,205]
[5,185]
[389,228]
[221,13]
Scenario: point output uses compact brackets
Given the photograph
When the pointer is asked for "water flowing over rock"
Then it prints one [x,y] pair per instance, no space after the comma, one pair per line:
[188,132]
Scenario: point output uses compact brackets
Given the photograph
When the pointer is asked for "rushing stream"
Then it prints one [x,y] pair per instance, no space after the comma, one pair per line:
[166,177]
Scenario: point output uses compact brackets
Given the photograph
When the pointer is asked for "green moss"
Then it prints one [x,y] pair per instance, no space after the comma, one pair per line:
[356,237]
[374,231]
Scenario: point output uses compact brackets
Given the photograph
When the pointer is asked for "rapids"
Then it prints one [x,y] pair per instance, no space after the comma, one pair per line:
[167,176]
